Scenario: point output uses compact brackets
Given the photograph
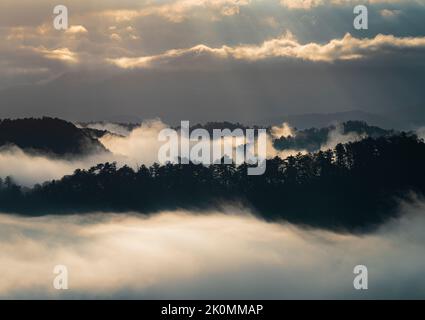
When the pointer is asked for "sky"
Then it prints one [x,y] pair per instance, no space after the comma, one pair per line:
[207,60]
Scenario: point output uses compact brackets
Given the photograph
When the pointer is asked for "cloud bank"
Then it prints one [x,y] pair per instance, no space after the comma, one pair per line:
[226,254]
[286,46]
[28,169]
[310,4]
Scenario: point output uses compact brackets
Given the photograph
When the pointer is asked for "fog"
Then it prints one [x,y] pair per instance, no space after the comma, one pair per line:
[337,136]
[134,148]
[420,132]
[140,146]
[29,169]
[111,127]
[226,253]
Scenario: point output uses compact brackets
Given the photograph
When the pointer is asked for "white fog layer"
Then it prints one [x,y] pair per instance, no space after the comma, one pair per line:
[222,254]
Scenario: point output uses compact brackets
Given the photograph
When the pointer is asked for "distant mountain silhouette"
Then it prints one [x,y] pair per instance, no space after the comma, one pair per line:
[312,139]
[321,120]
[48,135]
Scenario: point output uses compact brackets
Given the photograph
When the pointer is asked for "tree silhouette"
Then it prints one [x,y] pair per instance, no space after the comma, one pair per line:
[355,186]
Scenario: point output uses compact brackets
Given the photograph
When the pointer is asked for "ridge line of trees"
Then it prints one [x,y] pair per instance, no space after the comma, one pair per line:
[355,186]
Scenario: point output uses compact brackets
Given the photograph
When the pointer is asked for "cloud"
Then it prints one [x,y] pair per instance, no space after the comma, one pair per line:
[227,254]
[127,147]
[388,13]
[63,54]
[301,4]
[284,130]
[21,166]
[337,136]
[111,127]
[216,24]
[115,37]
[76,29]
[420,132]
[272,152]
[286,46]
[179,10]
[139,146]
[310,4]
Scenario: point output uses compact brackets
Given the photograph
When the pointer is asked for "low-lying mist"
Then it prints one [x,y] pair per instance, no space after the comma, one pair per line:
[133,148]
[227,254]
